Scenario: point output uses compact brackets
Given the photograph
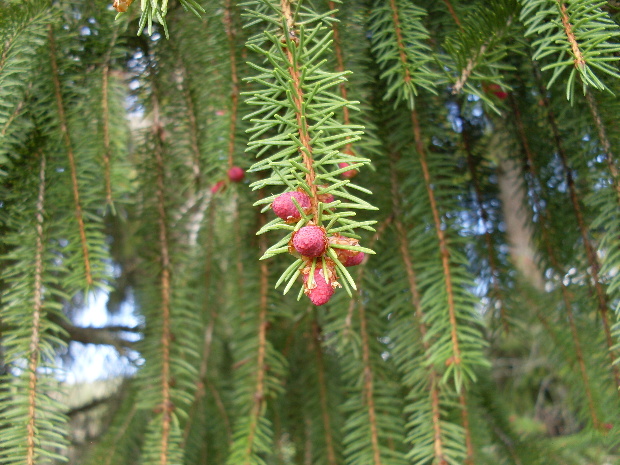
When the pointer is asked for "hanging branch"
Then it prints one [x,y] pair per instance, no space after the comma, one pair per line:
[478,47]
[403,73]
[207,308]
[327,427]
[443,244]
[578,36]
[544,220]
[166,403]
[298,102]
[594,265]
[400,43]
[107,151]
[296,117]
[337,44]
[453,14]
[417,305]
[229,10]
[234,80]
[193,126]
[33,429]
[37,310]
[368,386]
[64,129]
[251,431]
[373,428]
[469,446]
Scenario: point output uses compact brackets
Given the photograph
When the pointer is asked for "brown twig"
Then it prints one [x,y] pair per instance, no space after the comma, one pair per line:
[208,334]
[320,363]
[453,14]
[261,367]
[298,100]
[469,445]
[193,125]
[234,80]
[368,390]
[594,265]
[556,266]
[165,287]
[107,152]
[434,385]
[11,118]
[64,129]
[221,408]
[443,243]
[468,69]
[399,40]
[37,311]
[340,68]
[570,35]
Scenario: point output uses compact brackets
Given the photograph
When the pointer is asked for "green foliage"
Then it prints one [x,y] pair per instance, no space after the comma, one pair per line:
[23,31]
[481,327]
[478,50]
[296,116]
[579,36]
[400,44]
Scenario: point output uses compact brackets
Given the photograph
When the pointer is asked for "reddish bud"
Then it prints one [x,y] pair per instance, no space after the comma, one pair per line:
[319,290]
[284,207]
[347,257]
[325,198]
[310,241]
[217,187]
[236,174]
[353,260]
[347,174]
[498,91]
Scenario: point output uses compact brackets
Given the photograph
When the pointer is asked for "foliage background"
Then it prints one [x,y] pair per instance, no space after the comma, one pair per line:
[484,328]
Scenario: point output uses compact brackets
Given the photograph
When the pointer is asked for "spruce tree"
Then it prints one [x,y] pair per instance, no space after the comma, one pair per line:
[367,233]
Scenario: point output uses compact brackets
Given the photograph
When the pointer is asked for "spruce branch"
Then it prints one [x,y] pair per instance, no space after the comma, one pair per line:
[21,37]
[408,365]
[36,318]
[31,420]
[64,129]
[453,14]
[594,265]
[166,402]
[252,434]
[433,378]
[296,109]
[480,55]
[469,446]
[568,305]
[191,115]
[229,11]
[374,428]
[399,40]
[207,343]
[368,386]
[325,414]
[578,36]
[455,359]
[105,117]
